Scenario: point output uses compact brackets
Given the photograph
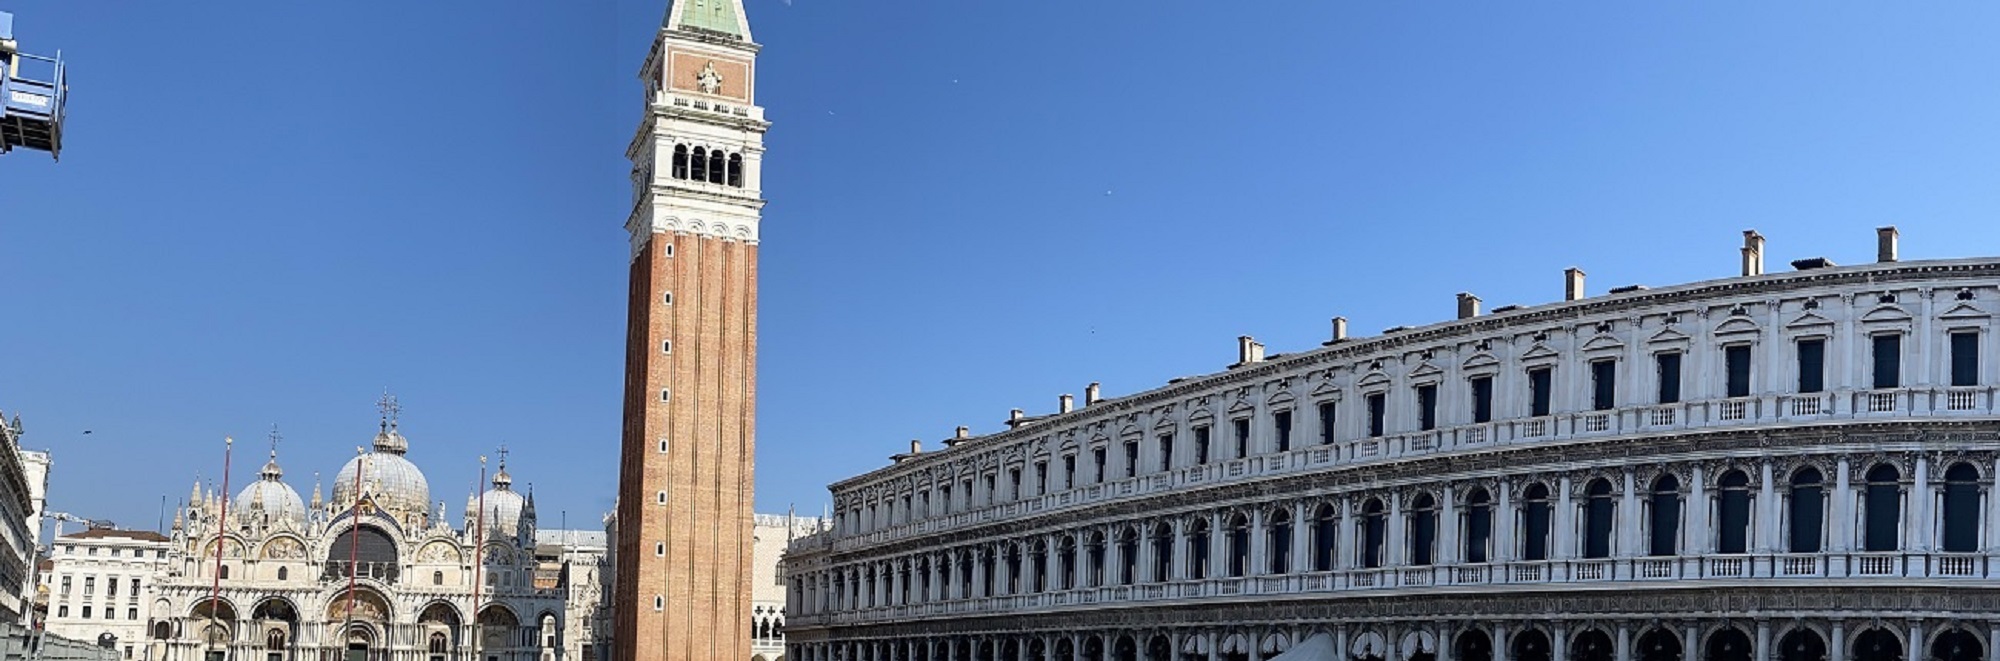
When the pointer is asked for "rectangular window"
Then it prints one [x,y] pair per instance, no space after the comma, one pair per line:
[1888,361]
[1669,367]
[1378,407]
[1014,482]
[1281,424]
[1097,459]
[1736,363]
[1326,420]
[1201,445]
[1242,428]
[65,585]
[1812,365]
[1965,358]
[1427,407]
[1166,452]
[1132,459]
[1069,471]
[1482,399]
[111,587]
[1539,396]
[1041,477]
[86,612]
[62,611]
[89,585]
[1603,385]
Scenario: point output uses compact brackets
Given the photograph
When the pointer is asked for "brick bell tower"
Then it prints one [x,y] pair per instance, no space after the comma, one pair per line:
[684,492]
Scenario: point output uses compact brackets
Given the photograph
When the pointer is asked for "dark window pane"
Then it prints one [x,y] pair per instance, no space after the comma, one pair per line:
[1737,361]
[1965,358]
[1377,408]
[1166,451]
[1371,548]
[1201,445]
[1805,518]
[1604,384]
[1884,516]
[1666,523]
[1281,425]
[1535,518]
[1597,528]
[1326,420]
[1132,459]
[1961,516]
[1538,391]
[1423,537]
[1888,361]
[1812,365]
[1242,429]
[1482,399]
[1734,523]
[1478,530]
[1670,377]
[1427,407]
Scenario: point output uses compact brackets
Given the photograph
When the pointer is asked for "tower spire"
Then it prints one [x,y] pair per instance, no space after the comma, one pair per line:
[715,18]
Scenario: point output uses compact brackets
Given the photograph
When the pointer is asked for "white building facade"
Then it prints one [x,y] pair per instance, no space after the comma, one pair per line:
[1793,466]
[99,583]
[19,498]
[774,532]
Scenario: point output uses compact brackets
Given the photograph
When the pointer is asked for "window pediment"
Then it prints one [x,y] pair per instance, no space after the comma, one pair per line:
[1964,311]
[1481,361]
[1809,321]
[1603,343]
[1886,313]
[1539,352]
[1374,379]
[1426,371]
[1669,335]
[1736,326]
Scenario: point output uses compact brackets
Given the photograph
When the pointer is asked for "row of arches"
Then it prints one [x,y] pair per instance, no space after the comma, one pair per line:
[714,166]
[1679,511]
[1703,641]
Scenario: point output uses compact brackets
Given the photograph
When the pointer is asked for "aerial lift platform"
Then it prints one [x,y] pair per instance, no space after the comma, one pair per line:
[32,88]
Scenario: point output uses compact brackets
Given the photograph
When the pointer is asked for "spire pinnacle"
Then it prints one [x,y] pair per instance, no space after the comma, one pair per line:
[718,18]
[389,408]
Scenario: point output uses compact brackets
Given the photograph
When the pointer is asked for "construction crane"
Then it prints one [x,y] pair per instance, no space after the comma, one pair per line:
[31,102]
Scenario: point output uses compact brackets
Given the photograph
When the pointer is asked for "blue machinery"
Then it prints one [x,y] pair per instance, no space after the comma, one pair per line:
[32,88]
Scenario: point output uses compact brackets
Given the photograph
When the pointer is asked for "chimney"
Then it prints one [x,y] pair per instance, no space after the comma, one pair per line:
[1014,418]
[1339,329]
[916,446]
[1468,305]
[964,432]
[1753,253]
[1248,351]
[1068,404]
[1572,284]
[1885,243]
[1090,395]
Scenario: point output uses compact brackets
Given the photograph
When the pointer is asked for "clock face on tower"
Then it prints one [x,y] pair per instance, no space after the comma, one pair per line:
[708,80]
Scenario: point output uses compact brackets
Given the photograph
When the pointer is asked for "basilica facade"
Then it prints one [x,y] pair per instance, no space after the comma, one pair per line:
[377,571]
[1793,465]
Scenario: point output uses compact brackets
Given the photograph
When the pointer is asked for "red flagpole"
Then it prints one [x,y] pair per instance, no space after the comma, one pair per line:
[221,533]
[478,556]
[354,537]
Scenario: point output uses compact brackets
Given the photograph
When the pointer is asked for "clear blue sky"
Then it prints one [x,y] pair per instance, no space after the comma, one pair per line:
[268,211]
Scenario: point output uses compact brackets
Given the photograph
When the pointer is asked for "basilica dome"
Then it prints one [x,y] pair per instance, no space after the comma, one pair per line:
[507,512]
[271,496]
[388,479]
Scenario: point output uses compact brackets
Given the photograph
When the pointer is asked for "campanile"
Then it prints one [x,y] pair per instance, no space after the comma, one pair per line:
[684,494]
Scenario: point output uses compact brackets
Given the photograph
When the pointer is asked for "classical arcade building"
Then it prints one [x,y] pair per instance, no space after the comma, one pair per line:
[377,572]
[1793,466]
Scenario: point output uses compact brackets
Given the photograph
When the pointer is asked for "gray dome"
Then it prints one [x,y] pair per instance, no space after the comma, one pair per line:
[272,496]
[505,508]
[395,484]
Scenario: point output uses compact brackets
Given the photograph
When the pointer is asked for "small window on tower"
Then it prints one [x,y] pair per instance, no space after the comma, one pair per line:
[660,549]
[736,170]
[659,602]
[662,497]
[667,250]
[667,346]
[663,446]
[700,163]
[668,298]
[665,394]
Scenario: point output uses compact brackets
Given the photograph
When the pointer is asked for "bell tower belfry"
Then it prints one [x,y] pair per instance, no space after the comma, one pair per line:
[684,520]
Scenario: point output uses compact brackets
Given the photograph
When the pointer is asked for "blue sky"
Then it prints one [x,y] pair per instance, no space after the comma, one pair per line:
[269,211]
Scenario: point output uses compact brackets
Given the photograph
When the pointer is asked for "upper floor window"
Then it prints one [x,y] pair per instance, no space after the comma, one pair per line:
[1281,425]
[1097,460]
[1736,368]
[1540,381]
[1201,445]
[1888,360]
[1069,471]
[1242,429]
[1669,366]
[1482,399]
[1132,459]
[1377,410]
[1326,420]
[1812,365]
[1427,406]
[1603,384]
[1166,451]
[1965,358]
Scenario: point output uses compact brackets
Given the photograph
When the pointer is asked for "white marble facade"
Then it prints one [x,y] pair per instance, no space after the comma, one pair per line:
[1791,465]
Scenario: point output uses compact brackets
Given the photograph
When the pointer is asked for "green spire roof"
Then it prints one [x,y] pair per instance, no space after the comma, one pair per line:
[717,16]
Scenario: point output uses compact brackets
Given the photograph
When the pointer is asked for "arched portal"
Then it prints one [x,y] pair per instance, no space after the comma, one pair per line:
[1530,645]
[1473,645]
[497,626]
[1125,649]
[1158,648]
[1659,644]
[1878,645]
[1732,644]
[1592,645]
[1957,645]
